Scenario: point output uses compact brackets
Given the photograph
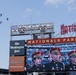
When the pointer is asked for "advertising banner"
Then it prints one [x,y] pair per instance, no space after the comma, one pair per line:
[16,64]
[17,47]
[51,41]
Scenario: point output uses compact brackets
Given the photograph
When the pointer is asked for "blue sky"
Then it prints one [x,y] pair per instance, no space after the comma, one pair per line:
[32,11]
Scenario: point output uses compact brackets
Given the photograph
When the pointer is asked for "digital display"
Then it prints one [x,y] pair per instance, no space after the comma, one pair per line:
[51,57]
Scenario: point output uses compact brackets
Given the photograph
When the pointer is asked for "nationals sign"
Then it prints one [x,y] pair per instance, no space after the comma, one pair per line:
[51,41]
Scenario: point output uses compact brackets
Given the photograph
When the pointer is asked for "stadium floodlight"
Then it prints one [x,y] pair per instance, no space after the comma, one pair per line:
[12,30]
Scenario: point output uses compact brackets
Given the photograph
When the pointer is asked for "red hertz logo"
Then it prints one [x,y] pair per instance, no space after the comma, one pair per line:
[67,29]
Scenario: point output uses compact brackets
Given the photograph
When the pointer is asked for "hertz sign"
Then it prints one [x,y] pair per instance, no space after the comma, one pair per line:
[67,29]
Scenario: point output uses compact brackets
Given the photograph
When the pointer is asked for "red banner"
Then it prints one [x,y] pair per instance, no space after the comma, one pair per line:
[16,64]
[51,41]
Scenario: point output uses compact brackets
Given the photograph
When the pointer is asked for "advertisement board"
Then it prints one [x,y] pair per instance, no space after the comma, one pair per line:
[65,47]
[17,47]
[51,41]
[16,63]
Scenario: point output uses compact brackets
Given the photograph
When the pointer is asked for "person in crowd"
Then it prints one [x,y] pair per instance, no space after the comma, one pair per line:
[55,64]
[36,58]
[60,57]
[72,61]
[50,57]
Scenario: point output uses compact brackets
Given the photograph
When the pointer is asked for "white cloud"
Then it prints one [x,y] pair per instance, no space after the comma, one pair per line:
[37,13]
[70,4]
[29,10]
[70,1]
[32,11]
[55,2]
[71,8]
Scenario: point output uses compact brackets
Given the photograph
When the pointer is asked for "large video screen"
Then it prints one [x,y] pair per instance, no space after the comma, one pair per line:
[40,58]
